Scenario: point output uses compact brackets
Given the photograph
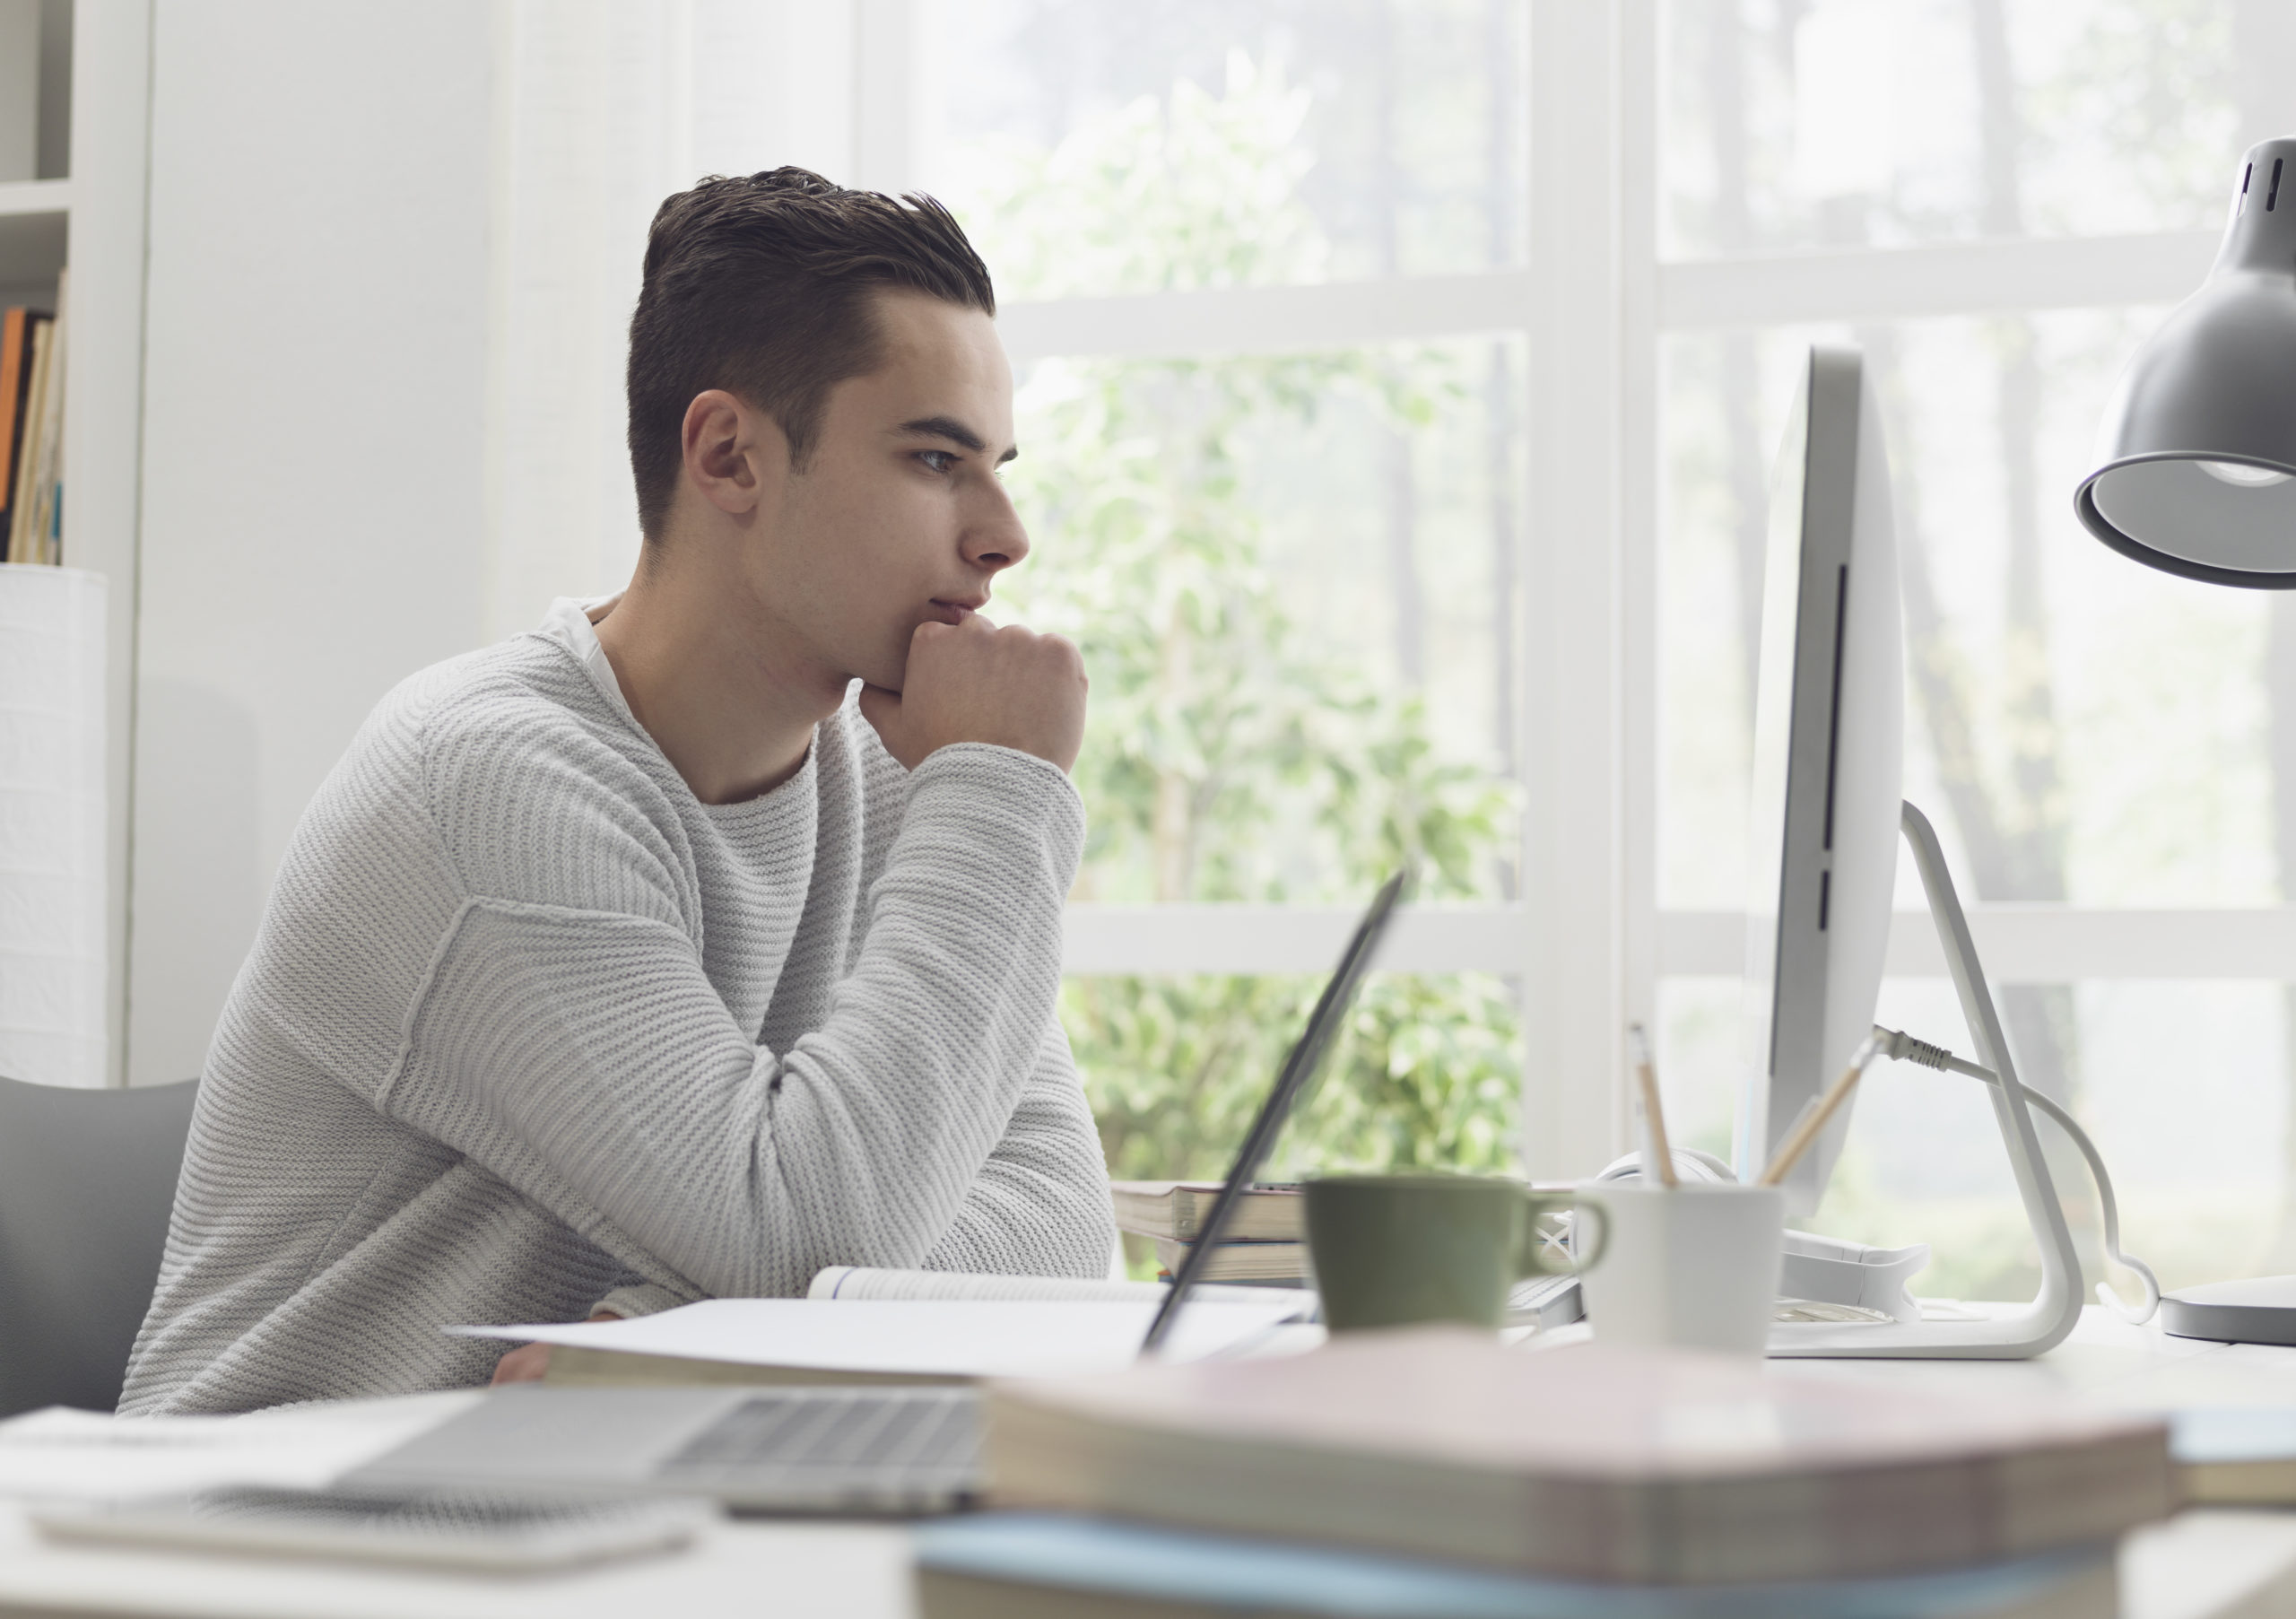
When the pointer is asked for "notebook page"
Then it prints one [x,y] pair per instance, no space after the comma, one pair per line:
[868,1282]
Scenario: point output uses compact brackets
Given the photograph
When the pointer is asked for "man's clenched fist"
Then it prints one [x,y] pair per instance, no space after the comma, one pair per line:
[972,682]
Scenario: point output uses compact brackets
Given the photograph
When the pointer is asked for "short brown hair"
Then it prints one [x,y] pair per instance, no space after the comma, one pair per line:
[761,286]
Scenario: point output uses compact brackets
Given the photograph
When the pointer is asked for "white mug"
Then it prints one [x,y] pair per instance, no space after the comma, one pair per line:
[1695,1266]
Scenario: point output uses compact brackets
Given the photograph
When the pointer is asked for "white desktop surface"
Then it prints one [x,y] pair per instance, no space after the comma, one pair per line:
[2209,1564]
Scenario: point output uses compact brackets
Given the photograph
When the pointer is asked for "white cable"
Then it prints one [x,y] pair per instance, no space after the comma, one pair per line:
[1895,1043]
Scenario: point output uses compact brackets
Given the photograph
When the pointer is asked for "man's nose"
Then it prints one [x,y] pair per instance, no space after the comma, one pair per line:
[995,540]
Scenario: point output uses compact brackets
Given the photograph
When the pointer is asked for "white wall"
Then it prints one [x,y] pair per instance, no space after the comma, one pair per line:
[103,405]
[314,490]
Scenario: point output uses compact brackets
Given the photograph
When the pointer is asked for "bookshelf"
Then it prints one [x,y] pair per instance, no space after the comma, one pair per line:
[84,205]
[277,426]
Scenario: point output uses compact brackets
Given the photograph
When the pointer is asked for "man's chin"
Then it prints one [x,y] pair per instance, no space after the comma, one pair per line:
[884,678]
[884,666]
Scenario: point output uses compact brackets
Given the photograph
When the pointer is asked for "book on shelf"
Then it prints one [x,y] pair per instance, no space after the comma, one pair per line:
[31,415]
[1581,1462]
[32,410]
[28,331]
[1002,1566]
[1279,1262]
[1176,1210]
[43,537]
[15,374]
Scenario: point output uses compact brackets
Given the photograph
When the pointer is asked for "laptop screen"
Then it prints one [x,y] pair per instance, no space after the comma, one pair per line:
[1299,1068]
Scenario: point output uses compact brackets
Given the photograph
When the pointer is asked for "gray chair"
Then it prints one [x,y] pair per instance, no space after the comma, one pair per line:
[87,1183]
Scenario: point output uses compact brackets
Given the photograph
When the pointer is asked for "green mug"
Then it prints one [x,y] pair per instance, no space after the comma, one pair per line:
[1389,1250]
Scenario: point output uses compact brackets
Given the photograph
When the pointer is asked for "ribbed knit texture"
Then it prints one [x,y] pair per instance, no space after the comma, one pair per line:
[528,1028]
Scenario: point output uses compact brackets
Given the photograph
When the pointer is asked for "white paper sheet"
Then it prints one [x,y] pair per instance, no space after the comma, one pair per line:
[61,1454]
[938,1337]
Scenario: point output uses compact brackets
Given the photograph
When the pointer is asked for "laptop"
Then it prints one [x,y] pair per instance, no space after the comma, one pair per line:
[896,1449]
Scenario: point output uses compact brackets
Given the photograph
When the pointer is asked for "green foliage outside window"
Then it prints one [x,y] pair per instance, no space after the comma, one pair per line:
[1230,756]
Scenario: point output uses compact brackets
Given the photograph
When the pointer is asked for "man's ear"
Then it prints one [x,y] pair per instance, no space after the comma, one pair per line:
[732,452]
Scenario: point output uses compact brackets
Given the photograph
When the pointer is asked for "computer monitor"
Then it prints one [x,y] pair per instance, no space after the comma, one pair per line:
[1828,724]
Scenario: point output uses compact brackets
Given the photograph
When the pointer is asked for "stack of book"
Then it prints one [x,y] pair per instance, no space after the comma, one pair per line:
[1265,1244]
[32,435]
[1431,1472]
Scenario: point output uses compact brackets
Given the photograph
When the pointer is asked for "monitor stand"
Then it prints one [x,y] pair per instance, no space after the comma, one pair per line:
[2016,1334]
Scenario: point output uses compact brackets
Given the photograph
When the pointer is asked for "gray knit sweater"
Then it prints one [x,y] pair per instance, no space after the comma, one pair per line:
[528,1028]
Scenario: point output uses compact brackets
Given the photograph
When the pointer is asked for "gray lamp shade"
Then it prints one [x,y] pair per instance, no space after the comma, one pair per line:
[2198,473]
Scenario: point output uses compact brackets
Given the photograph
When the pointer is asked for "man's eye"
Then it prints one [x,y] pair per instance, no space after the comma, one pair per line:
[937,460]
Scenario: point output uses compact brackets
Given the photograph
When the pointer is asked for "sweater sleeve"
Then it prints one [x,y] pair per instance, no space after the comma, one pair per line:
[579,1052]
[1041,1207]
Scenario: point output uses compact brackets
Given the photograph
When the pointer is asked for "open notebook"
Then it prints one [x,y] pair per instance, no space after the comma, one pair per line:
[880,1339]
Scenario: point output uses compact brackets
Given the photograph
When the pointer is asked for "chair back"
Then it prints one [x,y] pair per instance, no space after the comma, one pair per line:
[87,1185]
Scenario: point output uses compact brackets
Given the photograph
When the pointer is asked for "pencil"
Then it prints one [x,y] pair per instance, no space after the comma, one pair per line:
[1654,1115]
[1813,1120]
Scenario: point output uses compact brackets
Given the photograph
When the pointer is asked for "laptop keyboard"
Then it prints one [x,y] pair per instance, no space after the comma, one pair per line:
[919,1436]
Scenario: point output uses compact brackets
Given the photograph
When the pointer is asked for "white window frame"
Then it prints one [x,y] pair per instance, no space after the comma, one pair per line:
[1589,942]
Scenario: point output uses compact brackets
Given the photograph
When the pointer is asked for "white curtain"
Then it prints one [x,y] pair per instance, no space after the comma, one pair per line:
[605,108]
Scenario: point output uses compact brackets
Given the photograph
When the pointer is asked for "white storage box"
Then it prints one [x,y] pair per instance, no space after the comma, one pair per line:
[52,825]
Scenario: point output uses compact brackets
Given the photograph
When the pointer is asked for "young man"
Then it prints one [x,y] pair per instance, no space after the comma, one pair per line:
[634,961]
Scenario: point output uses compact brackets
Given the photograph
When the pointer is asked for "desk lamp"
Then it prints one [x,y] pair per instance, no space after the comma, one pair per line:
[2198,479]
[2199,471]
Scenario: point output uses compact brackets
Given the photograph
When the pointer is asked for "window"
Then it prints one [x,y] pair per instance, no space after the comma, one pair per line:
[1398,388]
[1995,200]
[1282,528]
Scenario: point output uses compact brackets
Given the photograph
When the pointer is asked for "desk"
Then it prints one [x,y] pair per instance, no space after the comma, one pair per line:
[756,1570]
[2210,1565]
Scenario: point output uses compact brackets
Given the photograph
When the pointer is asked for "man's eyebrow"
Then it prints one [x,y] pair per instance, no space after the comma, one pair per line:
[955,431]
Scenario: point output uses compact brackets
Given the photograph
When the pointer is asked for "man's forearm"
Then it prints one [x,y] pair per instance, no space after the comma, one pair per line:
[1040,1204]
